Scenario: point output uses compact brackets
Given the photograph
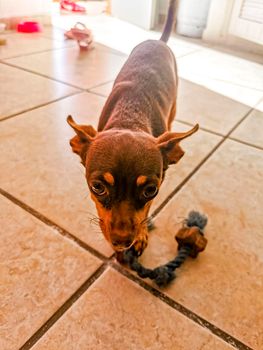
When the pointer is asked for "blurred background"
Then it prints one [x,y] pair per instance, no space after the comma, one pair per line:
[230,22]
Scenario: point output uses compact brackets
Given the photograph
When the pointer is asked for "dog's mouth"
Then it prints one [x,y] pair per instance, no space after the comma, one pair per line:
[117,244]
[122,246]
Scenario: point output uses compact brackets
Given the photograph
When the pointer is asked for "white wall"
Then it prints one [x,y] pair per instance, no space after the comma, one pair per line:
[17,8]
[218,20]
[139,12]
[217,28]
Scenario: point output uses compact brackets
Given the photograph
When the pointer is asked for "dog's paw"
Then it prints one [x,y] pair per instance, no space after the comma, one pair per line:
[140,244]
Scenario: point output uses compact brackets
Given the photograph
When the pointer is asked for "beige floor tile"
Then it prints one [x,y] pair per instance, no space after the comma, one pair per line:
[196,149]
[39,271]
[83,69]
[23,90]
[104,89]
[251,130]
[234,77]
[57,34]
[19,44]
[126,317]
[259,106]
[234,51]
[224,285]
[181,47]
[44,173]
[212,111]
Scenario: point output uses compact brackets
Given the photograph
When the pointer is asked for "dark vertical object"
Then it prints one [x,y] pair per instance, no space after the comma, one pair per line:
[169,21]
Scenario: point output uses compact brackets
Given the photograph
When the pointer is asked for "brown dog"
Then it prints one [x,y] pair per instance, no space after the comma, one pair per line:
[126,159]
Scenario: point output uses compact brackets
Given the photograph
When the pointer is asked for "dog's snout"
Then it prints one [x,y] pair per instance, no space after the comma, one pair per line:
[118,241]
[122,228]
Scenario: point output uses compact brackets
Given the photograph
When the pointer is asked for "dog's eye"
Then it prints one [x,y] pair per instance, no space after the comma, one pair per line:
[98,188]
[150,191]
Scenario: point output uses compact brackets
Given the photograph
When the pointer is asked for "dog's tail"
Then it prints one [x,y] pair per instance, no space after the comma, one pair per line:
[169,21]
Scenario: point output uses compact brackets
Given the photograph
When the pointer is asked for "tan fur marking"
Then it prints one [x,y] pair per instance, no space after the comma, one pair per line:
[140,229]
[141,180]
[109,178]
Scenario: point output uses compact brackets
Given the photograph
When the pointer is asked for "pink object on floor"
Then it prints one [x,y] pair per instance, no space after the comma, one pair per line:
[29,27]
[82,35]
[71,6]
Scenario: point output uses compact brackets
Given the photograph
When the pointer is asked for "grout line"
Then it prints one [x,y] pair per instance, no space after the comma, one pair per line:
[2,60]
[45,36]
[258,103]
[42,75]
[62,310]
[103,48]
[239,85]
[245,143]
[53,225]
[58,80]
[203,161]
[111,50]
[182,309]
[221,135]
[185,54]
[97,94]
[100,84]
[40,105]
[200,127]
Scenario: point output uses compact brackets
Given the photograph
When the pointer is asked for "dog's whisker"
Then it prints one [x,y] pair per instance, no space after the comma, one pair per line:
[94,218]
[94,221]
[181,221]
[90,213]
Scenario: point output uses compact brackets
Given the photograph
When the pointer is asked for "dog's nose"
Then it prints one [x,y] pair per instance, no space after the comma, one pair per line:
[118,241]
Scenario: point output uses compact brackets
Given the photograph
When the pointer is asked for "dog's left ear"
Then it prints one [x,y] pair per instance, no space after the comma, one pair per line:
[168,143]
[85,134]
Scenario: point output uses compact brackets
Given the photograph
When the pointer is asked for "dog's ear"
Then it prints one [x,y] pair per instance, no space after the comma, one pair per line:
[85,134]
[168,143]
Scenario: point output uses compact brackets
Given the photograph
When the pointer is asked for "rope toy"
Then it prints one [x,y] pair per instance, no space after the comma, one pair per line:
[191,242]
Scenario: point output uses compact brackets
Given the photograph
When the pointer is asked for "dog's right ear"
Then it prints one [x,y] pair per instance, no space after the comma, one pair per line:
[168,143]
[80,143]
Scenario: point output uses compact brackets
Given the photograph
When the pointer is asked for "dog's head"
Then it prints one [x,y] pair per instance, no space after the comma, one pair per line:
[124,171]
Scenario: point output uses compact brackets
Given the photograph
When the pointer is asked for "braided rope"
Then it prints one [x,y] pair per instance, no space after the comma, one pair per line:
[164,274]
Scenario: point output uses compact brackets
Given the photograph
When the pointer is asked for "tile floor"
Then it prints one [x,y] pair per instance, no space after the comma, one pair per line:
[60,285]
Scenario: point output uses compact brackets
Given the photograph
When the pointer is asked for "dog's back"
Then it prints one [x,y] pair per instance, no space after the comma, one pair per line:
[147,84]
[144,93]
